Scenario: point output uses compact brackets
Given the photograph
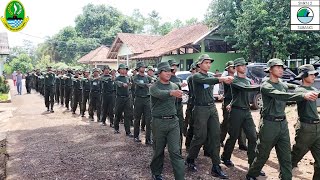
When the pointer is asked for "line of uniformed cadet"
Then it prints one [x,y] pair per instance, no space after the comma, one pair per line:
[157,103]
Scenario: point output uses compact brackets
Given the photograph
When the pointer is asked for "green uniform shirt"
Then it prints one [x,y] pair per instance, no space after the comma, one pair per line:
[120,90]
[162,104]
[239,91]
[107,84]
[95,85]
[141,83]
[85,84]
[76,84]
[274,97]
[203,88]
[49,79]
[190,86]
[68,80]
[178,82]
[62,80]
[58,80]
[307,109]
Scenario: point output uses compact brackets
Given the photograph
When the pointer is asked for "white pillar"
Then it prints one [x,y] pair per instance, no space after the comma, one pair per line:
[2,60]
[128,60]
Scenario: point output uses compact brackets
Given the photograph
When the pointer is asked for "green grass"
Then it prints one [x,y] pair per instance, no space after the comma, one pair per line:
[3,97]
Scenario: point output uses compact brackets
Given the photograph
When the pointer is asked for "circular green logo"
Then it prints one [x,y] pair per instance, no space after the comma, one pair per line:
[14,17]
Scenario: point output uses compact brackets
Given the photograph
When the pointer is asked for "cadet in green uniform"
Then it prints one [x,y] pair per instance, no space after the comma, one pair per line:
[77,92]
[107,96]
[165,124]
[57,87]
[142,103]
[62,87]
[95,95]
[133,88]
[240,115]
[225,90]
[190,105]
[152,79]
[49,82]
[41,84]
[85,84]
[308,127]
[273,130]
[123,100]
[68,88]
[174,66]
[206,125]
[28,82]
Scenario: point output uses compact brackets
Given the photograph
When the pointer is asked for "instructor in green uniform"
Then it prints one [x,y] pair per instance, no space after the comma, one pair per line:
[308,127]
[206,123]
[165,124]
[273,130]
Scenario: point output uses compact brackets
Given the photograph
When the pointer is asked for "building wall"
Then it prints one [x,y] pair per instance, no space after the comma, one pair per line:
[124,50]
[220,59]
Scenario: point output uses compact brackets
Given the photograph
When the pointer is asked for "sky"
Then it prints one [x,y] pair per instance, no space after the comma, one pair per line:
[47,17]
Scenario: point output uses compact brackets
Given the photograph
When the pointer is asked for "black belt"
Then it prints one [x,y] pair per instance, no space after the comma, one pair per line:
[87,90]
[96,91]
[308,121]
[204,104]
[143,96]
[274,118]
[237,107]
[122,96]
[165,117]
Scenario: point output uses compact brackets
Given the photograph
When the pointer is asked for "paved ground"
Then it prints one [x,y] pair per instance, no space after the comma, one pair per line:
[59,145]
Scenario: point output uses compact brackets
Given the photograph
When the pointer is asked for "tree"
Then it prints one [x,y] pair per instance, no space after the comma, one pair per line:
[153,23]
[23,63]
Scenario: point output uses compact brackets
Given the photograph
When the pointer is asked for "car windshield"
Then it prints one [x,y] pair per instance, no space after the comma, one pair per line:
[184,76]
[257,71]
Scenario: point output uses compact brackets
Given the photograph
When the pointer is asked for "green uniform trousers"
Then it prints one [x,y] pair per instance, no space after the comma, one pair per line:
[67,94]
[142,106]
[123,105]
[95,104]
[179,106]
[107,107]
[77,99]
[240,119]
[307,139]
[57,94]
[189,121]
[62,94]
[167,132]
[85,99]
[273,134]
[224,127]
[206,129]
[49,96]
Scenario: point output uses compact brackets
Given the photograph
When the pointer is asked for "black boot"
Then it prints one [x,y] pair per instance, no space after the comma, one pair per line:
[250,177]
[228,163]
[157,177]
[216,171]
[243,147]
[191,165]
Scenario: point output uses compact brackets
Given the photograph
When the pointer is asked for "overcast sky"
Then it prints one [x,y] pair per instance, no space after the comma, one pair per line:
[47,17]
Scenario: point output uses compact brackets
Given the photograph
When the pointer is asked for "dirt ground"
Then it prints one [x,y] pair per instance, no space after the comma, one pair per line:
[60,145]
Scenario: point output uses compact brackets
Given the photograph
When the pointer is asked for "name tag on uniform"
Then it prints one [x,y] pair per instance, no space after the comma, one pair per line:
[205,86]
[94,83]
[141,81]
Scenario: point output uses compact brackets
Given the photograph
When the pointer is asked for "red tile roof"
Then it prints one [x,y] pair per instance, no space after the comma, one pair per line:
[137,43]
[96,55]
[174,40]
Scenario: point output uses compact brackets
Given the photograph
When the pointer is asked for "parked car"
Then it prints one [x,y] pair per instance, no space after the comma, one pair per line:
[184,75]
[256,74]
